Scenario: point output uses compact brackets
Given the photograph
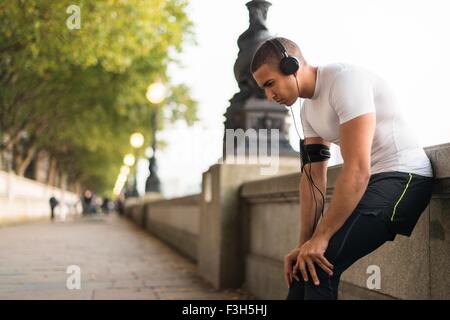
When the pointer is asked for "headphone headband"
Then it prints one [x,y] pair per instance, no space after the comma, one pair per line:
[279,47]
[288,64]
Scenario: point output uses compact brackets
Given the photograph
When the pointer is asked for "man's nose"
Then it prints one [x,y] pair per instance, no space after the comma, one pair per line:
[269,95]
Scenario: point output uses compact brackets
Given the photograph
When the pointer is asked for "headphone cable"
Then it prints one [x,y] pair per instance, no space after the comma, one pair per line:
[310,179]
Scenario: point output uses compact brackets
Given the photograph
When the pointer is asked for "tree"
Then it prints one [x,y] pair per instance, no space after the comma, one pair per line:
[80,93]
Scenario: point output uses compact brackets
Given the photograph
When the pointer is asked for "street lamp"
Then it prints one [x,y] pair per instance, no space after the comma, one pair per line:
[129,159]
[121,179]
[136,141]
[156,92]
[125,170]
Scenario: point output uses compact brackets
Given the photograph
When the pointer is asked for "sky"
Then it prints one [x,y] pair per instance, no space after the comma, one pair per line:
[404,42]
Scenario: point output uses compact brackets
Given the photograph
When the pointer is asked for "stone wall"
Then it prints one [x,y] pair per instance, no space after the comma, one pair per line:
[411,268]
[175,221]
[23,199]
[241,226]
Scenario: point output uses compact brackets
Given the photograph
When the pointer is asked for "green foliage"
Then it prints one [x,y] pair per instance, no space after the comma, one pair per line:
[81,93]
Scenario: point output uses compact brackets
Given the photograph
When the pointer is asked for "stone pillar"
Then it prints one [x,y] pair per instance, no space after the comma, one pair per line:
[220,247]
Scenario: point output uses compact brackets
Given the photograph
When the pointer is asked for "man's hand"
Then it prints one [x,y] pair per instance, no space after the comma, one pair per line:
[312,251]
[289,261]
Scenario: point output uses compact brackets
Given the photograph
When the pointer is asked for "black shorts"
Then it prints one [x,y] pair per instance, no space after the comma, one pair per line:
[398,198]
[391,205]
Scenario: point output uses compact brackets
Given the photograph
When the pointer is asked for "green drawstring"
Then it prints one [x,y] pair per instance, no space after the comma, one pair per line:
[395,208]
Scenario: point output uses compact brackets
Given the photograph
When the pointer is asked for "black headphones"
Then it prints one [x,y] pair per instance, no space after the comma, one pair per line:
[288,64]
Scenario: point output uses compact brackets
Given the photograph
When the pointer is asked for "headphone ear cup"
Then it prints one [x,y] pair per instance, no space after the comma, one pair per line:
[289,65]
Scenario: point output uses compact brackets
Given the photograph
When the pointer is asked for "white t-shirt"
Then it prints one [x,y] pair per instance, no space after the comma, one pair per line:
[344,92]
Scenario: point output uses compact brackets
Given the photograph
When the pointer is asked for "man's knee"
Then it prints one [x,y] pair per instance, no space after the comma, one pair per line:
[296,290]
[326,290]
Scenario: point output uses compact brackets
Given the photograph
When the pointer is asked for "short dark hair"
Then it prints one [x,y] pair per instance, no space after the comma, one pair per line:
[267,54]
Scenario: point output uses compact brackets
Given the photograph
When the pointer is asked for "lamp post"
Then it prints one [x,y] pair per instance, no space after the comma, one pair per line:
[121,179]
[136,141]
[128,161]
[155,94]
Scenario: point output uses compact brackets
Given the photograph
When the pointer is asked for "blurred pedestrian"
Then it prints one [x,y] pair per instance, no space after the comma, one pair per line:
[87,202]
[53,204]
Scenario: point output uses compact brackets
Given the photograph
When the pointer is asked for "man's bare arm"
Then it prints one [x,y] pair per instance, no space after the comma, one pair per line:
[356,142]
[308,210]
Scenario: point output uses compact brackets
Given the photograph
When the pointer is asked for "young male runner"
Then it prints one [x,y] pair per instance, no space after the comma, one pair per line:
[386,179]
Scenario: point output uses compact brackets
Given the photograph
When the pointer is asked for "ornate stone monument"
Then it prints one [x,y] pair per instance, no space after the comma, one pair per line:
[249,108]
[222,233]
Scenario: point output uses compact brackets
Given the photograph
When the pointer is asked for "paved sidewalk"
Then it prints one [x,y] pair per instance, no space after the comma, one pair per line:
[117,261]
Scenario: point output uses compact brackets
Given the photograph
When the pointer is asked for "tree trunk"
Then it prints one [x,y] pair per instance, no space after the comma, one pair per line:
[41,165]
[78,188]
[52,171]
[7,159]
[24,163]
[37,163]
[15,158]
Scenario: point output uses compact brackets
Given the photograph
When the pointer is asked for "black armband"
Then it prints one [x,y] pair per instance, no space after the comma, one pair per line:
[313,153]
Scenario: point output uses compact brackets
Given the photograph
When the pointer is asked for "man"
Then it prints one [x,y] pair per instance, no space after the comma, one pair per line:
[386,179]
[53,204]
